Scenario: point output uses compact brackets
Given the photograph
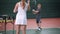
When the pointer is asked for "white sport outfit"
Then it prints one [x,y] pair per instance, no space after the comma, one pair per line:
[21,18]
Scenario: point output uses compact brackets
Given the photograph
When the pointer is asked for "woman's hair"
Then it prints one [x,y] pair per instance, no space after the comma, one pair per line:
[23,3]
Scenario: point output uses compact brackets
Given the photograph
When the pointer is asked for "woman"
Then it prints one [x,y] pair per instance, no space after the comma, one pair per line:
[21,18]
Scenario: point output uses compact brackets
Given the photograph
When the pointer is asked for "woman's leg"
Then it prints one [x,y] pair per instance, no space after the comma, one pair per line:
[24,29]
[18,29]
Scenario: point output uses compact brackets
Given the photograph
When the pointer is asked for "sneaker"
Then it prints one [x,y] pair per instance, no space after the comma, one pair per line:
[39,28]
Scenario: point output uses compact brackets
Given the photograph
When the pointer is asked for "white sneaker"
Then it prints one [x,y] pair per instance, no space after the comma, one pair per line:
[39,29]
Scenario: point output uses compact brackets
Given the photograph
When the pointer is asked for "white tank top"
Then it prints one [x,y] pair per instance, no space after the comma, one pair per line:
[22,11]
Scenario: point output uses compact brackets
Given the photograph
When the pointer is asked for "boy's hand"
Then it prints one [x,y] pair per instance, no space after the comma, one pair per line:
[33,10]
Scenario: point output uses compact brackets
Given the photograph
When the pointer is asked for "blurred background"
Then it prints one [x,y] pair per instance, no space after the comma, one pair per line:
[50,15]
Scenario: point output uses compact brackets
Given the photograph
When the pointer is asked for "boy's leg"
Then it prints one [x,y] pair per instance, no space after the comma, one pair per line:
[38,21]
[39,25]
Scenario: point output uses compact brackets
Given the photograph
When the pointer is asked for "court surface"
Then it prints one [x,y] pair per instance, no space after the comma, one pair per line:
[48,25]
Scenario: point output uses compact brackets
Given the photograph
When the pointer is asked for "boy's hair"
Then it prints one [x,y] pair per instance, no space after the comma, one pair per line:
[38,3]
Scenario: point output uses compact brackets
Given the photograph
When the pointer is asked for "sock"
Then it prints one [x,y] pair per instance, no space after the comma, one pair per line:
[38,27]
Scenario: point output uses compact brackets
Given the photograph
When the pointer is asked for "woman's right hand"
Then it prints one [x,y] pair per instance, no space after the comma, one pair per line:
[15,8]
[14,11]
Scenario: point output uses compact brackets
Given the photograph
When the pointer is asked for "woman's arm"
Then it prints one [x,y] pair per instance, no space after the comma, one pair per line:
[28,4]
[15,8]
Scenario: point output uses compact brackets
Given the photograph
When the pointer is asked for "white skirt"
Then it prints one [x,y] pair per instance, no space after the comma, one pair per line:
[21,20]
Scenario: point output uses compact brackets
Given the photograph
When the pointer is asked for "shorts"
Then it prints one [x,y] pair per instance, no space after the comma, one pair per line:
[38,19]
